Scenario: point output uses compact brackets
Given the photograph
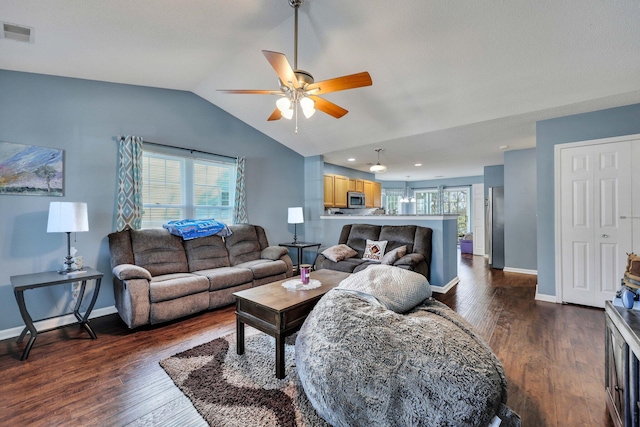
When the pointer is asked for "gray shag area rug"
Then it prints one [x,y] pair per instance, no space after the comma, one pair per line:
[232,390]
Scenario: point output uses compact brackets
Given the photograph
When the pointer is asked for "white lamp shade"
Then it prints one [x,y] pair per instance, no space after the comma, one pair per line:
[67,217]
[378,168]
[295,216]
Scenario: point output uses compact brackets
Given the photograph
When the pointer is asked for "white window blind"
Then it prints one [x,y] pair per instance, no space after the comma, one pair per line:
[179,185]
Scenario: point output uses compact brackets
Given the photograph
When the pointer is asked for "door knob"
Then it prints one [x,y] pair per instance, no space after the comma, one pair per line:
[605,235]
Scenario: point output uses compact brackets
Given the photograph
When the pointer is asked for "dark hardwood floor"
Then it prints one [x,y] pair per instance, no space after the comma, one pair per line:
[553,356]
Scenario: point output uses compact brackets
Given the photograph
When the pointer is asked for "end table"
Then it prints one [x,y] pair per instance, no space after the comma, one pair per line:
[50,278]
[301,246]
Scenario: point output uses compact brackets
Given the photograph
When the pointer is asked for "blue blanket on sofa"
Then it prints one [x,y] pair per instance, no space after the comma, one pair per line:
[192,228]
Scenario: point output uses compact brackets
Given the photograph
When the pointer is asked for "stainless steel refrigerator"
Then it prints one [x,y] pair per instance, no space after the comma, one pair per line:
[494,227]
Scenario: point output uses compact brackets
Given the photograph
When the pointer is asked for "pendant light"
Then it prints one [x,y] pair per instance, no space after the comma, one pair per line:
[378,168]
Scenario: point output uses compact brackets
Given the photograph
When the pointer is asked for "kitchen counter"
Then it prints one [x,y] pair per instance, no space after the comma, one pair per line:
[392,217]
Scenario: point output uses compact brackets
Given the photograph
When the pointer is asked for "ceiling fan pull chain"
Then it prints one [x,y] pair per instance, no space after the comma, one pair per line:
[296,107]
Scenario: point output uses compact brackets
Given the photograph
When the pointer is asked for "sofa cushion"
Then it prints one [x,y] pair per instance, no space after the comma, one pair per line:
[243,245]
[399,235]
[225,277]
[264,268]
[158,251]
[205,253]
[358,235]
[339,252]
[346,265]
[120,248]
[176,285]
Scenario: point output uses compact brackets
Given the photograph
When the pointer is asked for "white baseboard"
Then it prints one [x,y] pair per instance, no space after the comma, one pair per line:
[545,297]
[521,270]
[67,319]
[444,289]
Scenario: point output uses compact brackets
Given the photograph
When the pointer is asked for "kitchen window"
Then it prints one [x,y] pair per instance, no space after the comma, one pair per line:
[176,186]
[445,201]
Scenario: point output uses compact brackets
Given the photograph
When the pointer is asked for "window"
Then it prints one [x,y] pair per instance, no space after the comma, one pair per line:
[445,201]
[176,186]
[391,198]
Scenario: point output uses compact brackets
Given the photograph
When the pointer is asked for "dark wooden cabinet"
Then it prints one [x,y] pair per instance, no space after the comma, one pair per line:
[622,349]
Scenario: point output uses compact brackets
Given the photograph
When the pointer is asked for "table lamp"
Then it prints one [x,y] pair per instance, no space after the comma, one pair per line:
[67,217]
[295,217]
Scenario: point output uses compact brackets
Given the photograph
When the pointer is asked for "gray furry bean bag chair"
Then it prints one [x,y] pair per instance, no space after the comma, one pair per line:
[377,351]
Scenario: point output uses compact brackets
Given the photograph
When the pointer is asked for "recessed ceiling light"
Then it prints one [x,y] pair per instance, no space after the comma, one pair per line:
[351,159]
[418,164]
[439,176]
[504,147]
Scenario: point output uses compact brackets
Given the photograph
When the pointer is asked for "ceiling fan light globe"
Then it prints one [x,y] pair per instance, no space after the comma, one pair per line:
[307,103]
[287,114]
[283,105]
[308,112]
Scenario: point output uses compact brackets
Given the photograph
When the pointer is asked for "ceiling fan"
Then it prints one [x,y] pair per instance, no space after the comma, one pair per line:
[297,87]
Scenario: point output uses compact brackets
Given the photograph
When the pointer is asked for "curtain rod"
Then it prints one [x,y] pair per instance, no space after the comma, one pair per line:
[188,149]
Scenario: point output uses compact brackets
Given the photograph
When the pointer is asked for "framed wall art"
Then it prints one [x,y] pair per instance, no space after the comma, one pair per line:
[29,170]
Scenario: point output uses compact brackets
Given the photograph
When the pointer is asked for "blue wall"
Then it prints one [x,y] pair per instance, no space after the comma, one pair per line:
[580,127]
[83,118]
[348,172]
[520,209]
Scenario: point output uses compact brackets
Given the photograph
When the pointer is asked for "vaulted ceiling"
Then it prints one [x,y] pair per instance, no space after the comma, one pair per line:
[452,80]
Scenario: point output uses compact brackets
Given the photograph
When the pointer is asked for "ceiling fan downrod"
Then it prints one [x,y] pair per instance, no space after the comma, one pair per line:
[295,4]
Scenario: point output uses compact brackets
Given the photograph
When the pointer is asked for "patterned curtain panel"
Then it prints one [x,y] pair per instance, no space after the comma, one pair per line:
[129,214]
[240,207]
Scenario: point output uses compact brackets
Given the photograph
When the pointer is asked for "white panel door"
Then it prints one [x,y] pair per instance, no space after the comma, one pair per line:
[478,218]
[595,193]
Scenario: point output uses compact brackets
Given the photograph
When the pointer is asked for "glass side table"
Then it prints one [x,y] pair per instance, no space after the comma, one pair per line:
[24,282]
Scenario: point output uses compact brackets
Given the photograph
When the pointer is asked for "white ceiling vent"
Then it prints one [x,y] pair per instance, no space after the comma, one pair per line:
[18,33]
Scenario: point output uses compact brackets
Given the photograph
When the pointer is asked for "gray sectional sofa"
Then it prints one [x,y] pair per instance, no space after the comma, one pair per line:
[159,277]
[417,239]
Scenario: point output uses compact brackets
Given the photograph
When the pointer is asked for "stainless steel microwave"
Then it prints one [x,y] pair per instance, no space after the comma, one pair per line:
[355,199]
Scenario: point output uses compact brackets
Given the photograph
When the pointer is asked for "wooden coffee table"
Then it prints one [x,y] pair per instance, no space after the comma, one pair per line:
[278,311]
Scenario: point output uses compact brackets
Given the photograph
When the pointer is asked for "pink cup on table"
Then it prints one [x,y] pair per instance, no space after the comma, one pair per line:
[305,271]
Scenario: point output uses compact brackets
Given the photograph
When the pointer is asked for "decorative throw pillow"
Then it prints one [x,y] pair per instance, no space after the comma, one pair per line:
[374,250]
[339,252]
[395,288]
[391,257]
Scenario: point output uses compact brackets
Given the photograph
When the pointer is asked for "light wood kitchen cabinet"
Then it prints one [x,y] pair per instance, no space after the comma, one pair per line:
[368,194]
[329,198]
[337,186]
[377,195]
[340,188]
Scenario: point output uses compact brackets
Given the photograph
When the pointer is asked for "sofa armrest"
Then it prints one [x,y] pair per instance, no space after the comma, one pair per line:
[410,259]
[273,252]
[130,271]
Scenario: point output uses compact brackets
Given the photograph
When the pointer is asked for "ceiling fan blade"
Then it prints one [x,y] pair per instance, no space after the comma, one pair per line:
[276,115]
[328,107]
[279,63]
[252,92]
[351,81]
